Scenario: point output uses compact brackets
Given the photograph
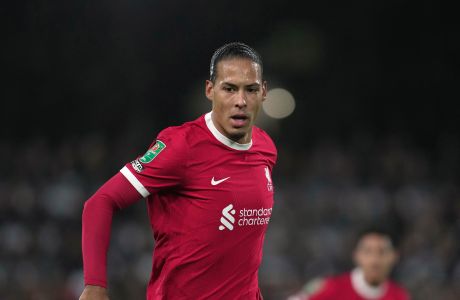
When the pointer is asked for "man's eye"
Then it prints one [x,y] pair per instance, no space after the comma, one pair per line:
[229,89]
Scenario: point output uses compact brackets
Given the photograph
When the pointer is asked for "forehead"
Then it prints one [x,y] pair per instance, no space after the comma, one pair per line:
[238,69]
[375,240]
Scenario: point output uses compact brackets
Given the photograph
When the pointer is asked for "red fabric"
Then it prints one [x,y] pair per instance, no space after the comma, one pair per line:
[196,256]
[115,194]
[340,287]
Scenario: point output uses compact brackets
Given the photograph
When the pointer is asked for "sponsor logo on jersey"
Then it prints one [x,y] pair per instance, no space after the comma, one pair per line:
[137,166]
[216,182]
[269,180]
[152,152]
[227,218]
[246,217]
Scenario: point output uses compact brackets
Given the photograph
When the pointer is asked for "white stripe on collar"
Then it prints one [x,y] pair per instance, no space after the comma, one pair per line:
[365,289]
[222,138]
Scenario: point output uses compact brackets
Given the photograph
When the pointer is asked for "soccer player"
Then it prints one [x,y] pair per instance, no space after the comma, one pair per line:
[375,256]
[209,194]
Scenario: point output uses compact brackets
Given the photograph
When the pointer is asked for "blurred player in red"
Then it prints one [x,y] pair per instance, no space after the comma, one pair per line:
[375,256]
[209,194]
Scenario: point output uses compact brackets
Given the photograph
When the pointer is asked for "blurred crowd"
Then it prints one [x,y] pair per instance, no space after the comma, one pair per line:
[324,193]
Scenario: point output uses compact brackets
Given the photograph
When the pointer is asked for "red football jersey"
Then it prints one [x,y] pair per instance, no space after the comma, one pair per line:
[209,200]
[351,286]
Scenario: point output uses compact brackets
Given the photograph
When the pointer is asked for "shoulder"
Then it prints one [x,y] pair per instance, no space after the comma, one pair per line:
[322,288]
[313,288]
[264,143]
[342,277]
[261,137]
[341,280]
[182,135]
[323,285]
[398,292]
[173,143]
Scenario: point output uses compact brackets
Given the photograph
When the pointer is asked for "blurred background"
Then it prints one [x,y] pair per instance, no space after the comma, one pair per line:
[369,134]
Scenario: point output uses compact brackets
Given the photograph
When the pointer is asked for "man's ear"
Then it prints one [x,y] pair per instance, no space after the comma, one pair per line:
[264,90]
[209,90]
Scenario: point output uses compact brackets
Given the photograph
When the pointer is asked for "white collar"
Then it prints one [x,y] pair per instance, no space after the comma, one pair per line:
[365,289]
[222,138]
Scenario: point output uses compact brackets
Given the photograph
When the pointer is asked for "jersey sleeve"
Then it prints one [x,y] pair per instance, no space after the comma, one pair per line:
[162,167]
[98,210]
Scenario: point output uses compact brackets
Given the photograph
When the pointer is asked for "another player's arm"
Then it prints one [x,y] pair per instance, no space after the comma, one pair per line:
[115,194]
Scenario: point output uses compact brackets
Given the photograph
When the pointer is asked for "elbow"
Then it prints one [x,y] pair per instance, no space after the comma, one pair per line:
[98,203]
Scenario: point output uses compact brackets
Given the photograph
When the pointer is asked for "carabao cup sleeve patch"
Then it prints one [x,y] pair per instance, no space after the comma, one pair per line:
[162,167]
[152,152]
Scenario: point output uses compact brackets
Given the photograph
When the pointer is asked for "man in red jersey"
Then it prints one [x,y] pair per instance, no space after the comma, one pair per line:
[375,256]
[209,194]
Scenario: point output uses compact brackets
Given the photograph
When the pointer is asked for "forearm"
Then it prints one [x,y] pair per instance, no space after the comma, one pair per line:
[96,226]
[96,221]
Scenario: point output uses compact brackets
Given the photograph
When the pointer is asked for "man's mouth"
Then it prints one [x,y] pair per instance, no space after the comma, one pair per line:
[239,120]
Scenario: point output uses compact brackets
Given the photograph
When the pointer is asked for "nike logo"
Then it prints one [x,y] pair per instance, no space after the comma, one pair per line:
[216,182]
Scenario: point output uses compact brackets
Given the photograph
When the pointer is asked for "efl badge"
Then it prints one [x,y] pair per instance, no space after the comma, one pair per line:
[152,152]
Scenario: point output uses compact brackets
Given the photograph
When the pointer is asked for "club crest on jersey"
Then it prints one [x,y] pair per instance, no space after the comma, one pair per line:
[269,180]
[152,152]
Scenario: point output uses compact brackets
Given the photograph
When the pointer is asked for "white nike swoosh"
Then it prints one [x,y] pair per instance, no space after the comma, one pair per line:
[216,182]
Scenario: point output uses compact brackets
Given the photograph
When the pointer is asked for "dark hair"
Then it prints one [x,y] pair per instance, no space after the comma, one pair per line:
[233,50]
[378,230]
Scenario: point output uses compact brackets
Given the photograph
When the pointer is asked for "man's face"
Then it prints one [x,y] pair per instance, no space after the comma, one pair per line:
[376,256]
[236,95]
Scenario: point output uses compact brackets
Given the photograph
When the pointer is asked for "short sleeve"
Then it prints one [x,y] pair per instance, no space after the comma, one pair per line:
[162,166]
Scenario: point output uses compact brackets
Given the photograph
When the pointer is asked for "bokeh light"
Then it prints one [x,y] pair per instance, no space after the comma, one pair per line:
[279,103]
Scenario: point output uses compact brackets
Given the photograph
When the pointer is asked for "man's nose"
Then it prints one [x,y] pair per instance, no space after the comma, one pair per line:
[241,99]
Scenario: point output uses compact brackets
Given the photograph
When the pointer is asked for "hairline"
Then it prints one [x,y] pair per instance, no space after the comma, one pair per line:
[239,58]
[234,50]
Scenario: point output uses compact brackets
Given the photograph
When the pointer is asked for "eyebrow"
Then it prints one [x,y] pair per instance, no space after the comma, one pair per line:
[234,85]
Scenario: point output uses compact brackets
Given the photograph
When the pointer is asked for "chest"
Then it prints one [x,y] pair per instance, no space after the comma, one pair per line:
[237,177]
[233,191]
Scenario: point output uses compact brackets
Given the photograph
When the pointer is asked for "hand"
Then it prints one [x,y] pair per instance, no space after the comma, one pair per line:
[93,292]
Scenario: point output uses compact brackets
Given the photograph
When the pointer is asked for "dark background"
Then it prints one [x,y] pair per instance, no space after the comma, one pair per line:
[81,66]
[88,84]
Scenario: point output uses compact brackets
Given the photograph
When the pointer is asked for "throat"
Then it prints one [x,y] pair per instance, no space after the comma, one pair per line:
[240,138]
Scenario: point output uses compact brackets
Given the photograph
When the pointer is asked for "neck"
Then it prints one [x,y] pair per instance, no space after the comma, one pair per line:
[237,138]
[224,139]
[364,288]
[242,139]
